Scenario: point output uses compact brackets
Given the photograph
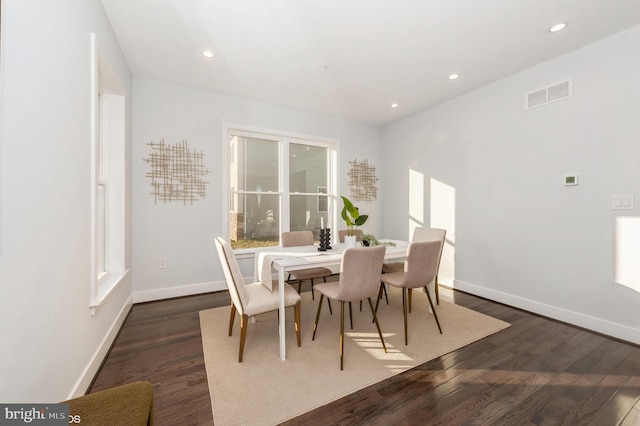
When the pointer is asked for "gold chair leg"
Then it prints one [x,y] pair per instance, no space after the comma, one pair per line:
[375,319]
[383,289]
[435,315]
[328,300]
[243,334]
[435,283]
[341,334]
[232,318]
[404,312]
[379,296]
[296,310]
[410,291]
[315,324]
[350,316]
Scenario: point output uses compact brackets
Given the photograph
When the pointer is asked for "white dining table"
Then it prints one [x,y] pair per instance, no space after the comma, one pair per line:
[330,258]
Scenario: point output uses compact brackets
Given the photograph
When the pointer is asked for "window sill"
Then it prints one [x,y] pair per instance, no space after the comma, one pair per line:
[106,288]
[247,253]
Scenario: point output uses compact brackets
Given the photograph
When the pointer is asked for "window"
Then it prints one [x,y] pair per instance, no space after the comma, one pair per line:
[108,178]
[277,183]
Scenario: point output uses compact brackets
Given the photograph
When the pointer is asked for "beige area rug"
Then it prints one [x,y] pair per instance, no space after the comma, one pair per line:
[263,390]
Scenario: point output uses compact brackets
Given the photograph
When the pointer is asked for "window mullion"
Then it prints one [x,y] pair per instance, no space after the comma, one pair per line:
[285,195]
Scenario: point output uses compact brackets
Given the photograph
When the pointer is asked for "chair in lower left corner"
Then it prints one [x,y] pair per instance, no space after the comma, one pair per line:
[130,404]
[252,299]
[360,272]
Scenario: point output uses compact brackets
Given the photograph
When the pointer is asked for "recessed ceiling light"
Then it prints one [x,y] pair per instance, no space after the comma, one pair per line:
[327,66]
[453,76]
[394,105]
[558,27]
[208,54]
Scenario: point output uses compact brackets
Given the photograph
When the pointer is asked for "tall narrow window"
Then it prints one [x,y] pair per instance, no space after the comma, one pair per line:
[108,177]
[277,184]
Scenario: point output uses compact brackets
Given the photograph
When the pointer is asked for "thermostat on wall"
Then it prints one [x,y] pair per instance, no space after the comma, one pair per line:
[571,179]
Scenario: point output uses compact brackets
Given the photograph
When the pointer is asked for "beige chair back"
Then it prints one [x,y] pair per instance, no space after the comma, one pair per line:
[232,274]
[421,264]
[343,232]
[297,238]
[430,234]
[360,273]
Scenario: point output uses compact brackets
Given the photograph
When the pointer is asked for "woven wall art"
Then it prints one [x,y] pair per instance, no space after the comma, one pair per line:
[362,180]
[177,172]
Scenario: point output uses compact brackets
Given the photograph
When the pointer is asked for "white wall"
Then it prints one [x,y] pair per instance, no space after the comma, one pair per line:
[184,233]
[51,345]
[521,236]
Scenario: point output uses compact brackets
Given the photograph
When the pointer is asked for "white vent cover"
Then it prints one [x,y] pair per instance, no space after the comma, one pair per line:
[554,93]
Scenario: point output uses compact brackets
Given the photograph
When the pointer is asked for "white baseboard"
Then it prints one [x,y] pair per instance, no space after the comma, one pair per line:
[82,385]
[90,371]
[598,325]
[178,291]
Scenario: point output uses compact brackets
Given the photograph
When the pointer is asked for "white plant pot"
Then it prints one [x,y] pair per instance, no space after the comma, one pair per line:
[350,241]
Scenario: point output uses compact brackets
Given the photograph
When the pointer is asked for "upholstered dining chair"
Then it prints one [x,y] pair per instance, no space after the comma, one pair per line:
[343,232]
[359,279]
[358,233]
[252,299]
[420,267]
[304,238]
[422,234]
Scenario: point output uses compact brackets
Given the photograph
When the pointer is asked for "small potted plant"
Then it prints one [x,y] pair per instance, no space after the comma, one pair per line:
[369,240]
[352,218]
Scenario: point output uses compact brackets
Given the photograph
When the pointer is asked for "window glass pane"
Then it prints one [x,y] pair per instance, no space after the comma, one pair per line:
[308,167]
[256,164]
[304,214]
[323,200]
[256,221]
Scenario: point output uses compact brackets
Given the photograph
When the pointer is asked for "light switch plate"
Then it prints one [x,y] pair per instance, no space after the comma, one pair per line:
[622,202]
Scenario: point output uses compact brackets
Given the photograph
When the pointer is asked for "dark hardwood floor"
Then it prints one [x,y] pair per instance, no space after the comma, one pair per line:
[538,371]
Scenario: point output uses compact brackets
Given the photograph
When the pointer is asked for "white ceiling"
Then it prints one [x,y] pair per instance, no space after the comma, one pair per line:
[379,51]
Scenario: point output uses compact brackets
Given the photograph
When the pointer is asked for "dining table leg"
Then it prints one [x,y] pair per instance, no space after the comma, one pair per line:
[281,310]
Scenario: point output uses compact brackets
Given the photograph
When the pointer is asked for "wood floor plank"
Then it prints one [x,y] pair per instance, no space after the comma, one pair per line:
[538,371]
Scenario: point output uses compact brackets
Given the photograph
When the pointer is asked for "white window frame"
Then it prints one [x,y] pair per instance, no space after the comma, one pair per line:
[285,138]
[320,191]
[108,162]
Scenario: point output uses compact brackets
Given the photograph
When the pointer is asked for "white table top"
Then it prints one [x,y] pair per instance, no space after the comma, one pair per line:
[330,257]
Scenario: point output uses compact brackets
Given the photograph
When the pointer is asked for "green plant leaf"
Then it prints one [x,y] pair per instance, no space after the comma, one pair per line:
[348,205]
[360,220]
[346,217]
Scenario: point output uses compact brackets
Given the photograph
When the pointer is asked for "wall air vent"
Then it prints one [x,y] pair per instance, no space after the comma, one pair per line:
[554,93]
